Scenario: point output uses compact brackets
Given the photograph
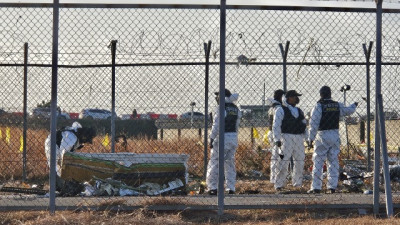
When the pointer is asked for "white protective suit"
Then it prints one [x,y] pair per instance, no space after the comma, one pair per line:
[69,142]
[231,144]
[327,146]
[275,151]
[292,146]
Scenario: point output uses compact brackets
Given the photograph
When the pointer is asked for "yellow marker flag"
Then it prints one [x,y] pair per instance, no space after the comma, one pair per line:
[8,135]
[106,141]
[255,133]
[1,135]
[21,147]
[371,137]
[265,138]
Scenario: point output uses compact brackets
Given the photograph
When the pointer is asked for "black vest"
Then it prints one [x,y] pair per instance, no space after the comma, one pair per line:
[330,115]
[292,125]
[271,116]
[232,114]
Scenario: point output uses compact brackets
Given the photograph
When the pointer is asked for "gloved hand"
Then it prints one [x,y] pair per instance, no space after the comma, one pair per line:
[278,144]
[281,156]
[310,144]
[211,142]
[356,103]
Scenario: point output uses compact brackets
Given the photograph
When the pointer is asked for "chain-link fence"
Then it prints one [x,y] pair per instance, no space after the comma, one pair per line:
[159,153]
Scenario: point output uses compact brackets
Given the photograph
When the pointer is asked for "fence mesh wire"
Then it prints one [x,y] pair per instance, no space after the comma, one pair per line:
[160,105]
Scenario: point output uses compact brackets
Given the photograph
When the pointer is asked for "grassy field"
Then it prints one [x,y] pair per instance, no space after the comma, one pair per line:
[143,216]
[249,158]
[11,156]
[252,162]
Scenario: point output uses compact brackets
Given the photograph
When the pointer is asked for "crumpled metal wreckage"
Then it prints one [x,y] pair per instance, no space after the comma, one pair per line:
[125,174]
[110,187]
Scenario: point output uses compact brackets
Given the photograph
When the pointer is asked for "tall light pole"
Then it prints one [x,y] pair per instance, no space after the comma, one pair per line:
[192,104]
[344,89]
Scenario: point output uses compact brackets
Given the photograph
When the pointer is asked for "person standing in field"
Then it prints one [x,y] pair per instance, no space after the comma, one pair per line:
[232,117]
[324,129]
[289,128]
[275,151]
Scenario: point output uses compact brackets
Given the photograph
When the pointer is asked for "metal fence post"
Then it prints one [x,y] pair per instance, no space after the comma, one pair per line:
[207,49]
[221,108]
[345,125]
[25,111]
[284,53]
[367,53]
[386,176]
[53,125]
[377,157]
[113,51]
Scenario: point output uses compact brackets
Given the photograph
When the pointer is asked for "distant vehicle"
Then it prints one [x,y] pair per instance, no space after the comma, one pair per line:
[126,116]
[391,115]
[97,114]
[364,117]
[188,116]
[351,120]
[45,113]
[149,116]
[254,112]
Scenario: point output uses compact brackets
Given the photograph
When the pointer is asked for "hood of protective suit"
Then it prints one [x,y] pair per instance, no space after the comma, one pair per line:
[271,101]
[74,126]
[284,102]
[233,98]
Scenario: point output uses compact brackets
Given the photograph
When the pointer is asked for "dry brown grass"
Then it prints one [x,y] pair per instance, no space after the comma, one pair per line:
[90,202]
[11,157]
[143,216]
[150,201]
[249,157]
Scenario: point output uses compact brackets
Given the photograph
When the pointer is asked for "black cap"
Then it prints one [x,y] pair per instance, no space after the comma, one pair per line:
[325,92]
[292,93]
[227,93]
[278,95]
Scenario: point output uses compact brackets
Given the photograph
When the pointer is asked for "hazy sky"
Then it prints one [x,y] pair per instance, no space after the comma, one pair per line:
[216,2]
[344,4]
[157,35]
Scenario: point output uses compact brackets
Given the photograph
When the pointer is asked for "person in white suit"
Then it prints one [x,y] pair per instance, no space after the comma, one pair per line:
[68,139]
[232,119]
[275,154]
[289,128]
[324,130]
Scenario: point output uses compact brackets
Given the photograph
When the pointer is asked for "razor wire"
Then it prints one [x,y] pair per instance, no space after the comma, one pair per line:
[160,101]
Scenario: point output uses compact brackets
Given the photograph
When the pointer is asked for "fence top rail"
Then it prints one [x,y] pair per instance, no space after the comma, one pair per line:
[232,4]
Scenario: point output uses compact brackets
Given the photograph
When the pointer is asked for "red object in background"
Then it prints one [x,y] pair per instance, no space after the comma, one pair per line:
[137,116]
[21,114]
[154,116]
[172,116]
[74,116]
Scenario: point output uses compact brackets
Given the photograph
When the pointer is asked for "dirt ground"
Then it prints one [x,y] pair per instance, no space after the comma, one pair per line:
[144,216]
